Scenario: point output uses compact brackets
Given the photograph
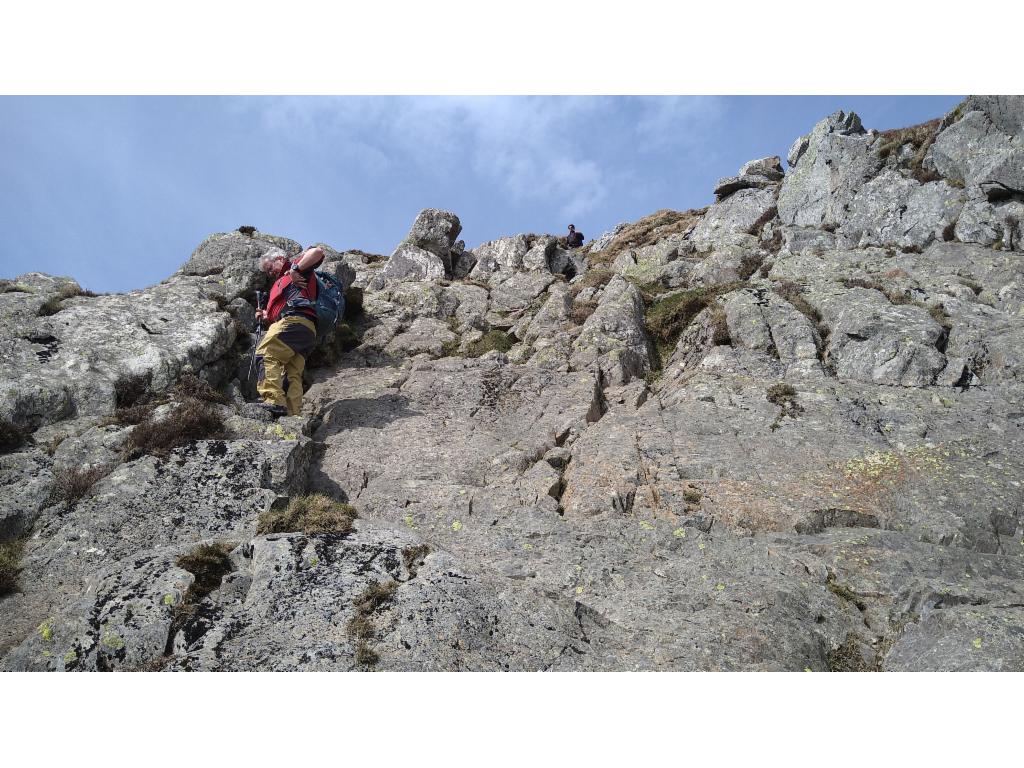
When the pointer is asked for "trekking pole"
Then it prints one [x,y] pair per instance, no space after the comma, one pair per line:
[259,336]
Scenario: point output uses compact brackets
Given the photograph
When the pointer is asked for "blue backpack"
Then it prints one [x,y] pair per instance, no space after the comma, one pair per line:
[330,303]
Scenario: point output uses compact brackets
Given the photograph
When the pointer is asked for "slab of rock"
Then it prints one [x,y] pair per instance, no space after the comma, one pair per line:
[743,212]
[613,338]
[64,364]
[411,263]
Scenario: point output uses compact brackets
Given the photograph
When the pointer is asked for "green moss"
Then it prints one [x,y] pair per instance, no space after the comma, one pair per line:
[314,514]
[70,657]
[493,339]
[10,564]
[667,317]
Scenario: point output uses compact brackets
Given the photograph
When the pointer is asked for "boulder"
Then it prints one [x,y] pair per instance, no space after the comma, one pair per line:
[436,232]
[411,263]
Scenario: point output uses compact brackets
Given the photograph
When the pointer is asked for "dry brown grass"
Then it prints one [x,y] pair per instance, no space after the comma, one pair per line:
[72,485]
[209,564]
[192,420]
[312,514]
[413,557]
[647,231]
[192,386]
[581,310]
[594,278]
[131,389]
[11,286]
[361,627]
[846,658]
[920,137]
[54,304]
[784,396]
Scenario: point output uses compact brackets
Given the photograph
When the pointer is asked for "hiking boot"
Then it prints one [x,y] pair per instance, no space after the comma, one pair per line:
[277,411]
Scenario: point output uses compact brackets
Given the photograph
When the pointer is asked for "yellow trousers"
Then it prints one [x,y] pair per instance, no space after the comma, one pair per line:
[283,350]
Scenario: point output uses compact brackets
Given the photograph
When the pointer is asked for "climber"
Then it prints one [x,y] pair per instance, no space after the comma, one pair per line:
[574,239]
[291,336]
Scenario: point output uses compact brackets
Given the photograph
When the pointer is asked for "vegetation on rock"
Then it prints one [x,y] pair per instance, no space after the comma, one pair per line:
[315,513]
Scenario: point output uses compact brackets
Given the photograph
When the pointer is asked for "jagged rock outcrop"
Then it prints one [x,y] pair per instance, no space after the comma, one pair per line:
[781,433]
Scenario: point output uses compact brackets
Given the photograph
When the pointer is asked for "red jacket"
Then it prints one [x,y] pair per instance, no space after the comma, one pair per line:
[284,292]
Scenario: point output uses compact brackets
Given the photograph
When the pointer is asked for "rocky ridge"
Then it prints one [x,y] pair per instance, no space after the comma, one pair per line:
[779,433]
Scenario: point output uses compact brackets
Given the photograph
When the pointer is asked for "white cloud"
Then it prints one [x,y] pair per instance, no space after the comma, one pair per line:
[535,149]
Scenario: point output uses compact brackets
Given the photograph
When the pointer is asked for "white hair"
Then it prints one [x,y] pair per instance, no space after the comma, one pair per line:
[269,256]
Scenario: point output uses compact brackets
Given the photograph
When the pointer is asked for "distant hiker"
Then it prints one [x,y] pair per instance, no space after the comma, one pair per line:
[292,317]
[574,239]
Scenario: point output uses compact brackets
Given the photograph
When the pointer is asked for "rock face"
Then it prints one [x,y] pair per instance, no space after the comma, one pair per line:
[783,433]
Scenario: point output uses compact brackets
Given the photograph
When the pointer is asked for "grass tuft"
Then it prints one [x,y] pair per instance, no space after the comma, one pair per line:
[132,388]
[54,304]
[192,386]
[361,627]
[413,557]
[920,137]
[192,420]
[209,563]
[594,278]
[312,514]
[784,396]
[72,485]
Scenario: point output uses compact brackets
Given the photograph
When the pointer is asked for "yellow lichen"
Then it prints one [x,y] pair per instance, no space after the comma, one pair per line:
[46,630]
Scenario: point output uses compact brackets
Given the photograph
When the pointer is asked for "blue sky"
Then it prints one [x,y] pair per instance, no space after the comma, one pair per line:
[118,191]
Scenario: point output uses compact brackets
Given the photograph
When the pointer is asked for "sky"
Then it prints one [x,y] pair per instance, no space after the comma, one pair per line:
[118,191]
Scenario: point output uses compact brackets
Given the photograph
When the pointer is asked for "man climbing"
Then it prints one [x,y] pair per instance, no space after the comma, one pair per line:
[291,314]
[574,239]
